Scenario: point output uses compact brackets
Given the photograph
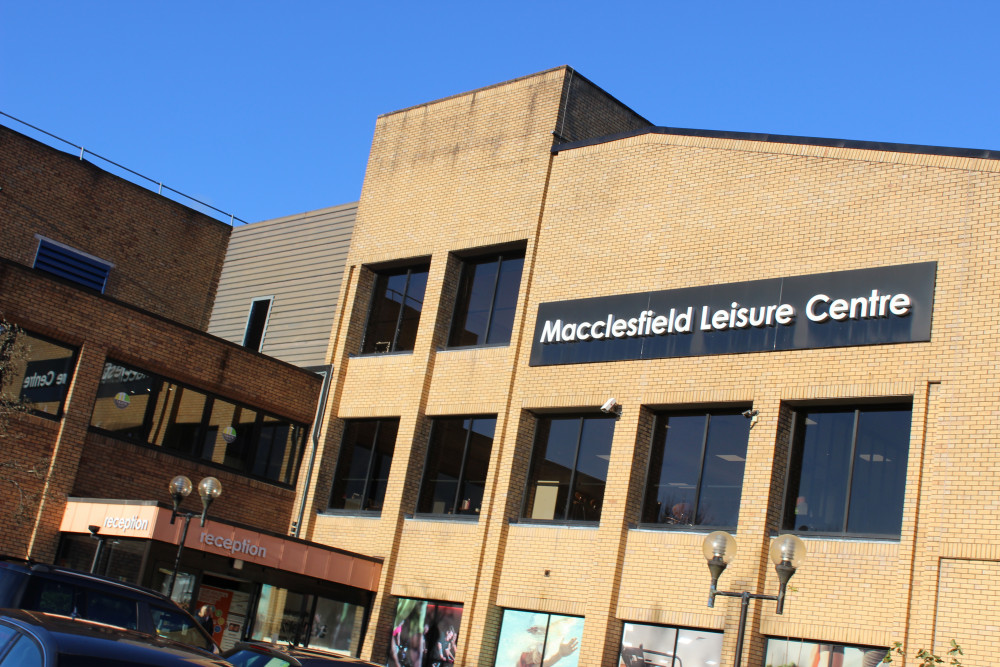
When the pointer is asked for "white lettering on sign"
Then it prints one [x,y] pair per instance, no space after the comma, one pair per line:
[126,523]
[819,308]
[233,546]
[44,380]
[116,373]
[647,323]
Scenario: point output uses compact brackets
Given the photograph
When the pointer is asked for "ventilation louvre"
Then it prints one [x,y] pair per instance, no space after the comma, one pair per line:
[73,265]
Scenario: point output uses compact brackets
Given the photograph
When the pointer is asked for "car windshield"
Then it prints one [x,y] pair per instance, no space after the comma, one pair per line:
[251,658]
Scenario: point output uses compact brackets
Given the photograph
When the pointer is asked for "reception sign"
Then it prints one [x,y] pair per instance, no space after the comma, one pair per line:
[845,308]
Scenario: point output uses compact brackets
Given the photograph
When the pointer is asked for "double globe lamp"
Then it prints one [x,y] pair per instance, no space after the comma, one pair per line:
[180,488]
[787,553]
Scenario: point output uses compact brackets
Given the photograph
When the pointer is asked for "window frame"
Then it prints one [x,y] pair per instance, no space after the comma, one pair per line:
[457,513]
[71,373]
[789,500]
[564,518]
[518,251]
[195,451]
[369,469]
[409,269]
[250,319]
[678,630]
[708,412]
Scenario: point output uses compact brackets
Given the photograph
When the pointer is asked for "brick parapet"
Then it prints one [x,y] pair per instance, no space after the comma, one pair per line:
[167,257]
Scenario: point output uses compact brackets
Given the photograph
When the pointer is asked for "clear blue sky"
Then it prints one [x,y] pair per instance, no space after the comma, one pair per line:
[267,109]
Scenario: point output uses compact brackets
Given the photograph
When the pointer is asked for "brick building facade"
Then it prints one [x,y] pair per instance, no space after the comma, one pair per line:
[509,507]
[114,286]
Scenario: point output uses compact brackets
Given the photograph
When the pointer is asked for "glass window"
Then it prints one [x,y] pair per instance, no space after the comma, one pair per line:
[51,597]
[487,299]
[847,470]
[277,448]
[394,313]
[252,658]
[458,458]
[424,633]
[25,653]
[282,615]
[177,418]
[260,311]
[6,634]
[796,652]
[696,464]
[179,627]
[336,626]
[363,465]
[644,645]
[41,378]
[139,406]
[109,609]
[123,396]
[533,639]
[241,439]
[569,468]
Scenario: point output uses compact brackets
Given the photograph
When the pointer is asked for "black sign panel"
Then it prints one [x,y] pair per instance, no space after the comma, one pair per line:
[845,308]
[47,381]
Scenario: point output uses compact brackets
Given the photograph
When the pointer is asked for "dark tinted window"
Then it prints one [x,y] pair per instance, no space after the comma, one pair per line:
[487,299]
[10,585]
[53,597]
[141,407]
[458,458]
[110,609]
[696,468]
[394,314]
[363,464]
[256,323]
[569,468]
[847,471]
[41,377]
[177,417]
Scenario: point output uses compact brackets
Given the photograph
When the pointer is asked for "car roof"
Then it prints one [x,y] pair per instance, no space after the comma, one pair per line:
[57,571]
[85,638]
[302,655]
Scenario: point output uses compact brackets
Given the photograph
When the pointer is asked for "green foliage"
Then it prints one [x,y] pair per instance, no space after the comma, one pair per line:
[927,658]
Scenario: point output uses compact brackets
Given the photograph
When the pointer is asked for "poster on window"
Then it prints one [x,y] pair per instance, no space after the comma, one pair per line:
[217,600]
[424,634]
[235,619]
[646,645]
[531,639]
[795,653]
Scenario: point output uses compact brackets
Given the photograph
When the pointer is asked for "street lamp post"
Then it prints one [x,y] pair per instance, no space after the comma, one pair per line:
[787,552]
[180,488]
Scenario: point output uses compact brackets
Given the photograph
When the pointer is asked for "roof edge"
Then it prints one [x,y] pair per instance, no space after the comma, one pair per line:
[475,90]
[892,147]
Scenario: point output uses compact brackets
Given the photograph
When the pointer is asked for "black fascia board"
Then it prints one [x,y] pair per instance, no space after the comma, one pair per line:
[891,147]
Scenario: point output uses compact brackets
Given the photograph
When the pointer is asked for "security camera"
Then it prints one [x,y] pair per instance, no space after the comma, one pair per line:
[750,413]
[610,405]
[94,530]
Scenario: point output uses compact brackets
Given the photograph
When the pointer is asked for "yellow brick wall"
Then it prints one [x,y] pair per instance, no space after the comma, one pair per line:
[658,212]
